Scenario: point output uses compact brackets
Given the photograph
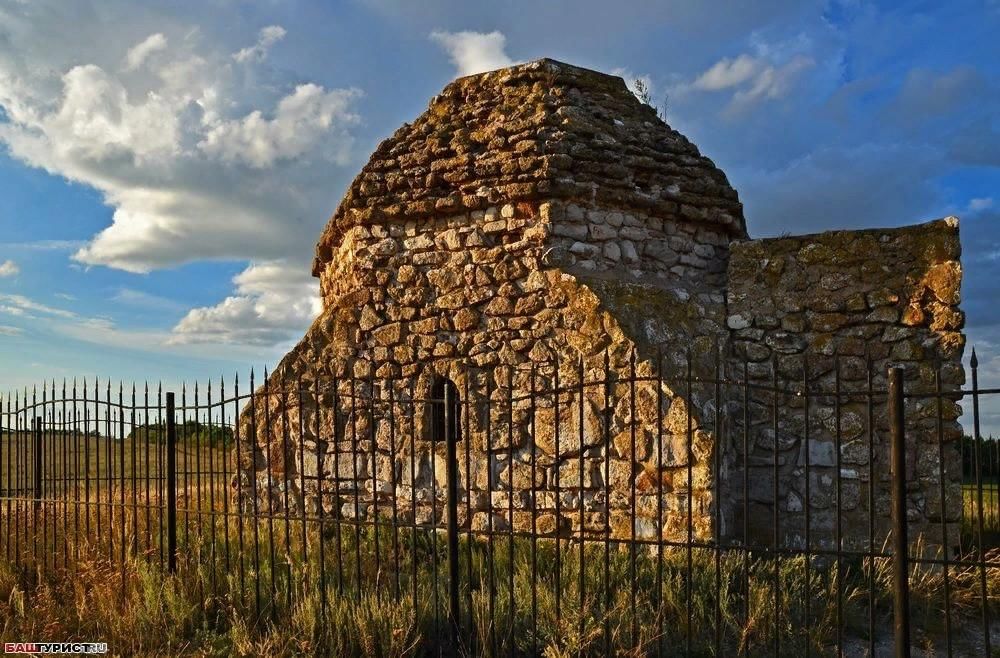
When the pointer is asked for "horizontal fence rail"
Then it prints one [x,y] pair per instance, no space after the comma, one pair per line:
[685,510]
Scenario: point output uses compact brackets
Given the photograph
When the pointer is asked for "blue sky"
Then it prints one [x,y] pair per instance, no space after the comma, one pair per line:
[165,167]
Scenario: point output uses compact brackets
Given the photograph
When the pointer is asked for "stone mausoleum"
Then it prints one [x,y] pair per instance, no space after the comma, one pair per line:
[539,226]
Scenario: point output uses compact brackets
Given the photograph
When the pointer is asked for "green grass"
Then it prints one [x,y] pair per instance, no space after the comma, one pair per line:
[990,514]
[71,460]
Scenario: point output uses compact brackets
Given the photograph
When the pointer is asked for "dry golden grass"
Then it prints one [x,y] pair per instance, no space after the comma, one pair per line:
[211,606]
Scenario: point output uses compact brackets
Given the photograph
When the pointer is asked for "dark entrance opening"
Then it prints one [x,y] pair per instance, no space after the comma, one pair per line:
[445,411]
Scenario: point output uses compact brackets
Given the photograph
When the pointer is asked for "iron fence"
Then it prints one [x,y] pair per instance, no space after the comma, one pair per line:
[275,495]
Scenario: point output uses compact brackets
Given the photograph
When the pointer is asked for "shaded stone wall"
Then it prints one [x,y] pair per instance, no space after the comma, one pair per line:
[821,304]
[494,300]
[636,246]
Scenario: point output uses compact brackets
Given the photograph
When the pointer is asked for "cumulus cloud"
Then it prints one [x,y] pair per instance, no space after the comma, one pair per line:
[196,157]
[7,330]
[9,268]
[772,82]
[728,73]
[300,119]
[752,79]
[138,53]
[196,160]
[474,52]
[266,38]
[274,302]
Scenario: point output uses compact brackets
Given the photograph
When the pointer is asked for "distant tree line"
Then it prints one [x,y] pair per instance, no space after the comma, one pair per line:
[190,432]
[989,458]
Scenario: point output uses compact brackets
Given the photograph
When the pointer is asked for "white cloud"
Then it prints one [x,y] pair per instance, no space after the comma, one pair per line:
[474,52]
[266,38]
[94,123]
[9,268]
[274,302]
[201,153]
[632,80]
[197,159]
[300,119]
[138,53]
[772,82]
[100,330]
[22,306]
[752,79]
[43,245]
[728,73]
[980,204]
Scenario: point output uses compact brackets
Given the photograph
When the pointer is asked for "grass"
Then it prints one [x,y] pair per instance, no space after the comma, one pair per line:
[70,460]
[288,587]
[990,514]
[293,588]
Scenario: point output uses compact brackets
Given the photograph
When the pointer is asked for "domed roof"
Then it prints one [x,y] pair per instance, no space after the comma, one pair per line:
[542,130]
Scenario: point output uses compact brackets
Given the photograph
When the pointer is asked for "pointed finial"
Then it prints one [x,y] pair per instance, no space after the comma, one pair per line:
[974,361]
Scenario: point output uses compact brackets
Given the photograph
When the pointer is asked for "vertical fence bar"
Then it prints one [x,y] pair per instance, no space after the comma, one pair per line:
[839,497]
[393,483]
[171,485]
[900,544]
[240,504]
[451,457]
[465,435]
[5,428]
[689,457]
[558,492]
[870,404]
[977,455]
[510,503]
[490,538]
[37,471]
[633,592]
[939,417]
[581,375]
[606,432]
[533,416]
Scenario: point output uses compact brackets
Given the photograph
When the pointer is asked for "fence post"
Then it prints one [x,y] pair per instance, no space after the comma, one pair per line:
[451,457]
[900,542]
[36,439]
[171,485]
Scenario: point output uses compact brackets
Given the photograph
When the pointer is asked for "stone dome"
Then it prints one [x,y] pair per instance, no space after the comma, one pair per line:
[544,129]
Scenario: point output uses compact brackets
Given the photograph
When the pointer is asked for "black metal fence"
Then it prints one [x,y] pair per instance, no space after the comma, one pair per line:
[89,471]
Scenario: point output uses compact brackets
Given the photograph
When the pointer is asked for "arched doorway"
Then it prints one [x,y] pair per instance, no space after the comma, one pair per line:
[446,411]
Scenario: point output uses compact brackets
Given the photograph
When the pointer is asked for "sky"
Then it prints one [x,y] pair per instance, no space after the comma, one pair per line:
[166,166]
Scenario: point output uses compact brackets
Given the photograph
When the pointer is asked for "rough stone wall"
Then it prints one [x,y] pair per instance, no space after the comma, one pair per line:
[539,224]
[813,304]
[494,300]
[638,247]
